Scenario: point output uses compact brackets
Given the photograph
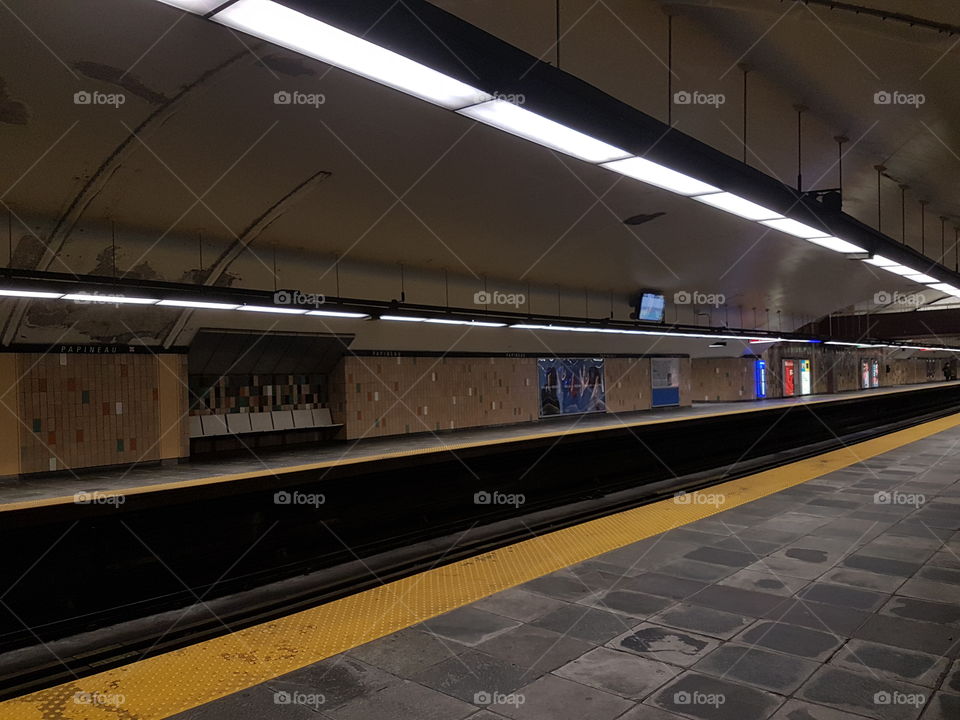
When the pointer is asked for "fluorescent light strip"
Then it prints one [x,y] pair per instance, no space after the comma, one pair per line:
[837,245]
[945,288]
[738,206]
[269,309]
[856,345]
[880,261]
[899,269]
[543,131]
[302,33]
[112,299]
[198,304]
[402,318]
[797,229]
[200,7]
[658,333]
[30,294]
[477,323]
[663,177]
[921,278]
[338,314]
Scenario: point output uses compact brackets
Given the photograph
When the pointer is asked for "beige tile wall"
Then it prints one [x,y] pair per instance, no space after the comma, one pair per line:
[450,393]
[723,379]
[80,411]
[397,395]
[627,384]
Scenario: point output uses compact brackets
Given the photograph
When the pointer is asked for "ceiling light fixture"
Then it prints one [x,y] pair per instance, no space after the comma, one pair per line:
[921,278]
[738,206]
[901,270]
[402,318]
[543,131]
[200,7]
[837,245]
[880,261]
[945,288]
[199,304]
[270,309]
[30,294]
[338,314]
[663,177]
[302,33]
[477,323]
[112,299]
[797,229]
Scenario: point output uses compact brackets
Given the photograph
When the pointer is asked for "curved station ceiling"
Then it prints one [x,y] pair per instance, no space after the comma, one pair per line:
[145,141]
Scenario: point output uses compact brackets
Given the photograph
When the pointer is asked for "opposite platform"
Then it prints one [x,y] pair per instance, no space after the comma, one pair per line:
[60,488]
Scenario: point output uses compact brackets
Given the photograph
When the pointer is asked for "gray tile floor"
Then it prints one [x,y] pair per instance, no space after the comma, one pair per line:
[65,484]
[834,600]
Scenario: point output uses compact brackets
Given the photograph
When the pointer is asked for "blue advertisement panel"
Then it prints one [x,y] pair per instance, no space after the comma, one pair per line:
[571,385]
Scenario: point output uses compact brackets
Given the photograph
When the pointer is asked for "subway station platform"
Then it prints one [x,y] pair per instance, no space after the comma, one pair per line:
[61,487]
[825,589]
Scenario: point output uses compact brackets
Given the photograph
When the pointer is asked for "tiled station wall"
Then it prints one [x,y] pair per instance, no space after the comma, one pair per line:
[407,394]
[67,411]
[723,379]
[834,371]
[627,384]
[376,396]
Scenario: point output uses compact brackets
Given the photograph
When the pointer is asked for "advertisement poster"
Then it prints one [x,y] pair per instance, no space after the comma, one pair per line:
[571,385]
[805,378]
[788,378]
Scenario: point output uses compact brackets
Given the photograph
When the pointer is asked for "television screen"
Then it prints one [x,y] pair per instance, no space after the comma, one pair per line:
[651,307]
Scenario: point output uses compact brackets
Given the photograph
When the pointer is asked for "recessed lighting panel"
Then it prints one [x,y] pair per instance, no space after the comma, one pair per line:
[797,229]
[663,177]
[304,34]
[738,206]
[543,131]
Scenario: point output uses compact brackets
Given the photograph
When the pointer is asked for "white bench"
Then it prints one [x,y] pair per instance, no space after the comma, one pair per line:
[245,423]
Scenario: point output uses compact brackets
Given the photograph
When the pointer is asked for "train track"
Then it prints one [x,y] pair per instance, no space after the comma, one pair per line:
[156,556]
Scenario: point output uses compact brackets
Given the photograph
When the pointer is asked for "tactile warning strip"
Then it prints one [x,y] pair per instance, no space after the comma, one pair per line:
[167,684]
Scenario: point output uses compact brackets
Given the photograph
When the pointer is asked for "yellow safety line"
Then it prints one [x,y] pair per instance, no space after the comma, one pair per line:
[447,447]
[182,679]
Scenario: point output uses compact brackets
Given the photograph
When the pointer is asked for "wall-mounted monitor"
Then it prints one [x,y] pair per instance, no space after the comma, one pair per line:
[650,308]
